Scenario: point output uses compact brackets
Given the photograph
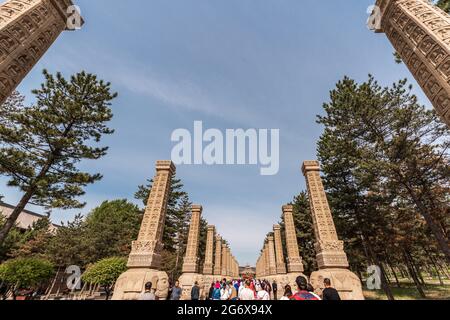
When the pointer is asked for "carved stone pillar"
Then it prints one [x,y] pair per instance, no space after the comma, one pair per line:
[208,266]
[218,258]
[190,264]
[329,250]
[271,254]
[145,257]
[331,258]
[146,250]
[295,264]
[224,260]
[229,263]
[266,260]
[190,258]
[27,29]
[262,265]
[281,265]
[420,33]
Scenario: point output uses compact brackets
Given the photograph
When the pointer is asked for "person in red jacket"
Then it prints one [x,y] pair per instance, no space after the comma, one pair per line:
[303,293]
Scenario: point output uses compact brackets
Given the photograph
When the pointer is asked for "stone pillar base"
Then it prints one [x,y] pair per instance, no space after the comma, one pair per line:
[131,284]
[344,281]
[187,281]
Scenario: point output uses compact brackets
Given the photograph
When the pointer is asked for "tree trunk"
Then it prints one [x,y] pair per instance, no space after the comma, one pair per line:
[53,284]
[435,266]
[11,221]
[434,227]
[384,284]
[413,274]
[31,189]
[395,276]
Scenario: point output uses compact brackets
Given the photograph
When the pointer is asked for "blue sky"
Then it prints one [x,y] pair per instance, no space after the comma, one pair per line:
[230,63]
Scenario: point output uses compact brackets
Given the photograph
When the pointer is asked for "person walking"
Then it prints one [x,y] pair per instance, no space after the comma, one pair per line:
[246,293]
[311,290]
[176,291]
[268,288]
[287,293]
[216,292]
[241,287]
[236,285]
[330,293]
[225,292]
[233,293]
[148,293]
[262,292]
[195,292]
[275,290]
[211,291]
[303,293]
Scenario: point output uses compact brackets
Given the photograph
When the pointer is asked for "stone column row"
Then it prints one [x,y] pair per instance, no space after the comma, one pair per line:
[271,262]
[218,258]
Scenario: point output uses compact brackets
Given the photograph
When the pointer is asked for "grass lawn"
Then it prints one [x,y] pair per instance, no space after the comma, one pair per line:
[408,291]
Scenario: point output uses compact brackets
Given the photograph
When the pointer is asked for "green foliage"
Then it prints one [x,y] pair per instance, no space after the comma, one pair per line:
[105,272]
[35,240]
[70,245]
[12,241]
[111,228]
[107,231]
[26,272]
[202,242]
[41,145]
[444,5]
[305,231]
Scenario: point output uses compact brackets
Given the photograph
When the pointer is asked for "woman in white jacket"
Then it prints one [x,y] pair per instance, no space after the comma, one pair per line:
[262,293]
[225,292]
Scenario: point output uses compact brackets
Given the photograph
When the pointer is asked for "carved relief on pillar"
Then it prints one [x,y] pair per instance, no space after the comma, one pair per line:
[209,253]
[27,29]
[281,266]
[266,260]
[146,250]
[420,33]
[271,254]
[224,271]
[190,259]
[230,263]
[218,256]
[329,249]
[294,261]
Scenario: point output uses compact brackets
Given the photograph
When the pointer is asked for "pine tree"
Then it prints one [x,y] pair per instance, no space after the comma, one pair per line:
[70,245]
[110,229]
[35,240]
[41,145]
[384,158]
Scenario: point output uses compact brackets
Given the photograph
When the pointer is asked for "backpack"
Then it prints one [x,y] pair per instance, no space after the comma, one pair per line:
[304,295]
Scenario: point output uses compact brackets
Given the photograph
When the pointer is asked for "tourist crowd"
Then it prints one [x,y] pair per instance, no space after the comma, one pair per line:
[251,289]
